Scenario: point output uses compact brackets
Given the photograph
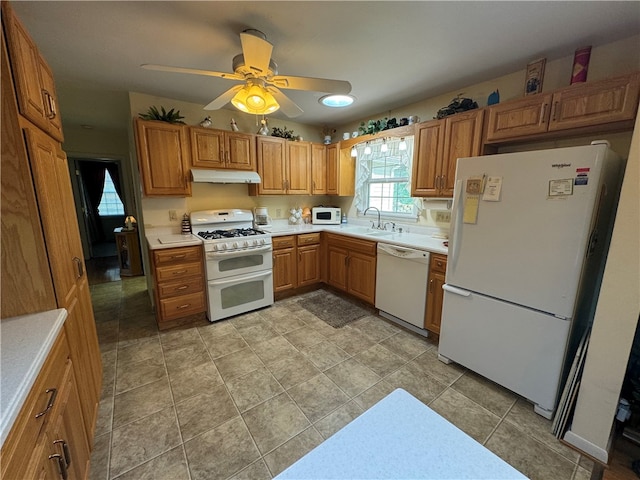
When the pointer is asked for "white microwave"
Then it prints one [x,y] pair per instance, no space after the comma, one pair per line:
[325,216]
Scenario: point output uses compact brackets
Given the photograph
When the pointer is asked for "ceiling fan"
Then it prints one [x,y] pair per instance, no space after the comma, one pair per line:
[260,92]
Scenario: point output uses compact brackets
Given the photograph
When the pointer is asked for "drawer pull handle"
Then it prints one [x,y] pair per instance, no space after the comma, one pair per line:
[431,285]
[61,465]
[182,255]
[65,450]
[180,272]
[79,267]
[182,307]
[52,400]
[183,287]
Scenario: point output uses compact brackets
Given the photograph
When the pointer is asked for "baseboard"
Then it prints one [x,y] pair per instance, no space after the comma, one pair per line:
[592,450]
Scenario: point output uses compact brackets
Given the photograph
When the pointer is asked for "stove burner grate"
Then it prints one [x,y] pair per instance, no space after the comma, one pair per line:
[232,233]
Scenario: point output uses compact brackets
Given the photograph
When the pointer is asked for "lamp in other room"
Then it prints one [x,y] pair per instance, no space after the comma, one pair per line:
[255,98]
[130,223]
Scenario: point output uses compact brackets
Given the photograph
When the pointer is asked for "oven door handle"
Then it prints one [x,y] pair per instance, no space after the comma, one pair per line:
[241,278]
[235,253]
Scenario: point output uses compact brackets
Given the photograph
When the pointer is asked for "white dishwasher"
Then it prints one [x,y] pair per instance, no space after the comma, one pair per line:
[401,283]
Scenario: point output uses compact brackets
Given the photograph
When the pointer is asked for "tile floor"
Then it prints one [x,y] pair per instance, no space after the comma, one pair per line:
[246,397]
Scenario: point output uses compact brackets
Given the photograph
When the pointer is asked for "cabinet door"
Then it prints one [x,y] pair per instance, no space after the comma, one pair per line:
[463,136]
[332,169]
[427,159]
[50,99]
[318,169]
[284,269]
[337,267]
[362,276]
[207,147]
[613,100]
[528,116]
[241,151]
[271,165]
[163,157]
[308,265]
[299,168]
[435,294]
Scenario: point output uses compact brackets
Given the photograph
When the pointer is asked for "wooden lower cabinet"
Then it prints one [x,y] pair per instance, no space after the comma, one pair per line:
[179,285]
[296,262]
[352,266]
[435,294]
[48,439]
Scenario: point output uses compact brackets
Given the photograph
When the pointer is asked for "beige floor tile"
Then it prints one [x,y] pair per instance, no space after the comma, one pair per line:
[140,402]
[324,355]
[258,333]
[318,325]
[136,443]
[99,466]
[171,465]
[186,358]
[373,395]
[317,397]
[253,388]
[274,422]
[237,363]
[428,363]
[414,381]
[528,455]
[407,345]
[375,328]
[338,419]
[204,412]
[148,348]
[137,374]
[256,471]
[380,359]
[304,337]
[286,324]
[221,452]
[193,381]
[225,344]
[216,329]
[292,450]
[351,341]
[352,377]
[104,421]
[179,338]
[468,416]
[491,396]
[274,350]
[293,370]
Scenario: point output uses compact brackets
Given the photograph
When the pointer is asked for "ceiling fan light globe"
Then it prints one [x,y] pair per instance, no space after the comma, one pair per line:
[255,99]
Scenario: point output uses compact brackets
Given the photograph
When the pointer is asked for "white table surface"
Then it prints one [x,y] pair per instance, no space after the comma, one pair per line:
[400,438]
[25,342]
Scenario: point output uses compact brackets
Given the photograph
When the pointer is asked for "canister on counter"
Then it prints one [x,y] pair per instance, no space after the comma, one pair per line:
[580,65]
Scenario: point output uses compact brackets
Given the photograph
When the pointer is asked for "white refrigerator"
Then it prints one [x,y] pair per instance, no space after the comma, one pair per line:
[528,242]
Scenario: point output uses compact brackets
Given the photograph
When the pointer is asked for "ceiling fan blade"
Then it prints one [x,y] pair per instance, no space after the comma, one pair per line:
[289,108]
[256,51]
[312,84]
[223,99]
[194,71]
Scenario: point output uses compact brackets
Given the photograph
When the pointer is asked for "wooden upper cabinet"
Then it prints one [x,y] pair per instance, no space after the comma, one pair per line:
[439,144]
[32,75]
[332,169]
[318,169]
[163,158]
[608,101]
[528,116]
[271,165]
[427,158]
[298,168]
[606,105]
[221,149]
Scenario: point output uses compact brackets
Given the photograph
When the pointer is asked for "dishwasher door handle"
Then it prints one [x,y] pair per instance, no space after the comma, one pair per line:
[402,252]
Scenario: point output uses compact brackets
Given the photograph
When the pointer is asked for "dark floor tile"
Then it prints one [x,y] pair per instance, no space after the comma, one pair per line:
[338,419]
[253,388]
[137,374]
[256,471]
[171,465]
[414,381]
[491,396]
[186,358]
[193,381]
[374,327]
[237,363]
[407,345]
[221,452]
[351,341]
[324,355]
[204,412]
[293,370]
[380,359]
[99,466]
[428,363]
[148,348]
[373,395]
[294,449]
[258,333]
[140,402]
[304,337]
[225,344]
[317,397]
[352,377]
[274,350]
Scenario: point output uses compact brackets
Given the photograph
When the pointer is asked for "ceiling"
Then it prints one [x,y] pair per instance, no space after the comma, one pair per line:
[393,53]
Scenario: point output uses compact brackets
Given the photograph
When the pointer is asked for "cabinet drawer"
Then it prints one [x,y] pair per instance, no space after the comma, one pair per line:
[288,241]
[182,306]
[174,272]
[353,244]
[439,263]
[173,255]
[184,287]
[34,414]
[308,239]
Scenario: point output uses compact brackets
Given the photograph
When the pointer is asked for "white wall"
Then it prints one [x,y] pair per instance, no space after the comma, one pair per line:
[615,321]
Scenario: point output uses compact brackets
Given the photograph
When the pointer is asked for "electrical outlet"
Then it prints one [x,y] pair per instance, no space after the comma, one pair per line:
[278,212]
[172,215]
[443,217]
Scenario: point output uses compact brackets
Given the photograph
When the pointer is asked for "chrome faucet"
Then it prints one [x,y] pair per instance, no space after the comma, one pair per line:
[369,208]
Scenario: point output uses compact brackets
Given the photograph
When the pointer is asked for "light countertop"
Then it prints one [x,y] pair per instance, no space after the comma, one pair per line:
[25,342]
[400,437]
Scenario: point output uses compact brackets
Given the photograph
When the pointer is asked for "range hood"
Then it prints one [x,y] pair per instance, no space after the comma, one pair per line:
[224,176]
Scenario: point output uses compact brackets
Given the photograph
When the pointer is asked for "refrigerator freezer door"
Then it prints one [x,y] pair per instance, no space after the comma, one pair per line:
[529,246]
[518,348]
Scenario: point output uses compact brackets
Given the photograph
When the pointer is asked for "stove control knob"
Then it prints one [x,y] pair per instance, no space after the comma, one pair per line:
[255,242]
[214,248]
[262,241]
[245,244]
[223,246]
[235,244]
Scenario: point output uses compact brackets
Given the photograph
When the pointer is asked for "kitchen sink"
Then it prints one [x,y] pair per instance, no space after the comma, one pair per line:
[379,233]
[367,231]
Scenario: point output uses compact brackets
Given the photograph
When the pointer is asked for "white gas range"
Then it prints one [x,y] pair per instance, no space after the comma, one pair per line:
[238,262]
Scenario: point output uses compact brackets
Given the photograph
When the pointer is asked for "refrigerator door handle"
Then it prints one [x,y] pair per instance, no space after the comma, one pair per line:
[458,291]
[456,225]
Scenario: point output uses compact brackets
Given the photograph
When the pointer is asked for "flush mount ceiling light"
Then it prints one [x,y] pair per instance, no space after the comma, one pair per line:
[336,101]
[255,98]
